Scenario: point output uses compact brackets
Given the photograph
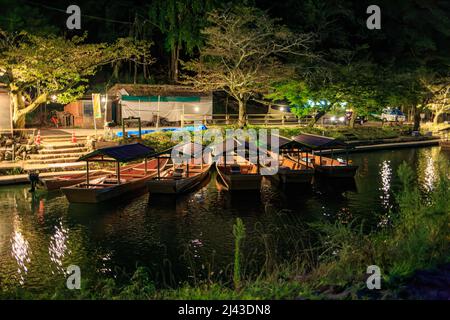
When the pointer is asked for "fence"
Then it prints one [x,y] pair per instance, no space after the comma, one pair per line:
[267,119]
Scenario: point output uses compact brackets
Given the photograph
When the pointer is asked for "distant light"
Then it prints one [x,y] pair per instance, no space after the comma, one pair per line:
[54,98]
[333,118]
[103,99]
[196,109]
[342,119]
[282,109]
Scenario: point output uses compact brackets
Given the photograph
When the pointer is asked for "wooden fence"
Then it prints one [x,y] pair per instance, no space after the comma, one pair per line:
[253,119]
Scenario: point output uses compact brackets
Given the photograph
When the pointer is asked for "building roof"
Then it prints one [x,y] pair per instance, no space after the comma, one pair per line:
[155,90]
[316,142]
[123,153]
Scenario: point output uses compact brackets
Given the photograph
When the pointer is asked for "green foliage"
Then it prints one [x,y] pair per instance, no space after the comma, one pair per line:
[239,235]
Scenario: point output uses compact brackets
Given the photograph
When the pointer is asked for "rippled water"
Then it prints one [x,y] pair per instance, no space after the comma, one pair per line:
[41,235]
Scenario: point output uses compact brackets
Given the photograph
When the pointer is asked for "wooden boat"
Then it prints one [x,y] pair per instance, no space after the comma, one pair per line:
[131,179]
[332,168]
[179,180]
[291,171]
[127,180]
[238,174]
[325,166]
[445,144]
[185,176]
[66,180]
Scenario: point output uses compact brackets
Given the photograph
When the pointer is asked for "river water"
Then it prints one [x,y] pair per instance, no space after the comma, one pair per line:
[178,239]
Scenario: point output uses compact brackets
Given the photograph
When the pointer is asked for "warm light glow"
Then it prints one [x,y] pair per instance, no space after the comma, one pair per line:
[54,98]
[196,109]
[103,99]
[333,118]
[342,119]
[281,109]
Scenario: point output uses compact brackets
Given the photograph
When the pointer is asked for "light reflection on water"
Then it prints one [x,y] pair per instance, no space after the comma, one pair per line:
[150,231]
[20,250]
[57,248]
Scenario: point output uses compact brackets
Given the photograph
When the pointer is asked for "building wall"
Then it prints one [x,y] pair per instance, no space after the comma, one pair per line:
[82,111]
[5,110]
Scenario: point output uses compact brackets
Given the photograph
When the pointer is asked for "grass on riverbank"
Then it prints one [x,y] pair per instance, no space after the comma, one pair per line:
[163,140]
[417,236]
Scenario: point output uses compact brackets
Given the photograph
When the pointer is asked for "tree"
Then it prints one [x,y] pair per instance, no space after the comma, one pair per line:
[244,54]
[39,68]
[181,23]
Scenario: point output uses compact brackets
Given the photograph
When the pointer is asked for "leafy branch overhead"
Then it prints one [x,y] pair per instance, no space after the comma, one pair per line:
[37,67]
[245,51]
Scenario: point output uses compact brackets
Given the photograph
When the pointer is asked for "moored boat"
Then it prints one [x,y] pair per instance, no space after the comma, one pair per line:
[182,177]
[126,181]
[326,166]
[65,180]
[238,173]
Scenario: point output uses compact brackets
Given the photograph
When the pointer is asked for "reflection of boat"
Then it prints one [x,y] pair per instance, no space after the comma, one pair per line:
[184,176]
[127,180]
[445,141]
[65,180]
[325,166]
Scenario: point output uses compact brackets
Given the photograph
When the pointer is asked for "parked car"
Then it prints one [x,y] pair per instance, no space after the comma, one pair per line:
[392,115]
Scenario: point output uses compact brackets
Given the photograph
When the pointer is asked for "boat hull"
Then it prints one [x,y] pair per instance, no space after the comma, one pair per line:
[445,145]
[295,177]
[75,194]
[176,186]
[347,171]
[239,182]
[51,184]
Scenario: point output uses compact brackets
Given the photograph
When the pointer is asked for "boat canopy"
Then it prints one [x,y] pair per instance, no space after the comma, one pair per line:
[231,145]
[122,153]
[316,142]
[283,143]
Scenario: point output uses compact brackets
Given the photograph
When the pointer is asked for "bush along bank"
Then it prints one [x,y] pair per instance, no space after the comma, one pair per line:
[333,265]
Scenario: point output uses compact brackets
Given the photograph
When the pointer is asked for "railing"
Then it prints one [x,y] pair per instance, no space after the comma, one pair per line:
[253,119]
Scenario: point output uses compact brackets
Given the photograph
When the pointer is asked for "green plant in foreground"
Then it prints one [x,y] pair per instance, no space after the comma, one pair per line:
[239,235]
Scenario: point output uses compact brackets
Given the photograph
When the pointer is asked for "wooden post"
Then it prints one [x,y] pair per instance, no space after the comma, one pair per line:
[157,115]
[87,174]
[257,161]
[118,172]
[307,160]
[159,167]
[123,129]
[145,163]
[187,169]
[140,127]
[346,154]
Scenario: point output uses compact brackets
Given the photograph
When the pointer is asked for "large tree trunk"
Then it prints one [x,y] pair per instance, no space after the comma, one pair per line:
[436,117]
[242,113]
[20,110]
[351,123]
[174,59]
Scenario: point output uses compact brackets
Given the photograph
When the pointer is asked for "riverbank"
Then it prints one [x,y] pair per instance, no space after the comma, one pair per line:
[411,248]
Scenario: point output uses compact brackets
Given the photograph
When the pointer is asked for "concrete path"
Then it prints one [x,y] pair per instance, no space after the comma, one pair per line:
[23,178]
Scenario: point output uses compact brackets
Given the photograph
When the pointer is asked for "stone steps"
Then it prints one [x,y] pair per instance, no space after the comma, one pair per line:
[53,160]
[62,145]
[56,156]
[63,150]
[54,166]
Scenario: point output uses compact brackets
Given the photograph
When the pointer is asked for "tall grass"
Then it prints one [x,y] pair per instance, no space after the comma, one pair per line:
[322,256]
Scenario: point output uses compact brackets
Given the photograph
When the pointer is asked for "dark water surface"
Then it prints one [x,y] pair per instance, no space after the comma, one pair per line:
[41,235]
